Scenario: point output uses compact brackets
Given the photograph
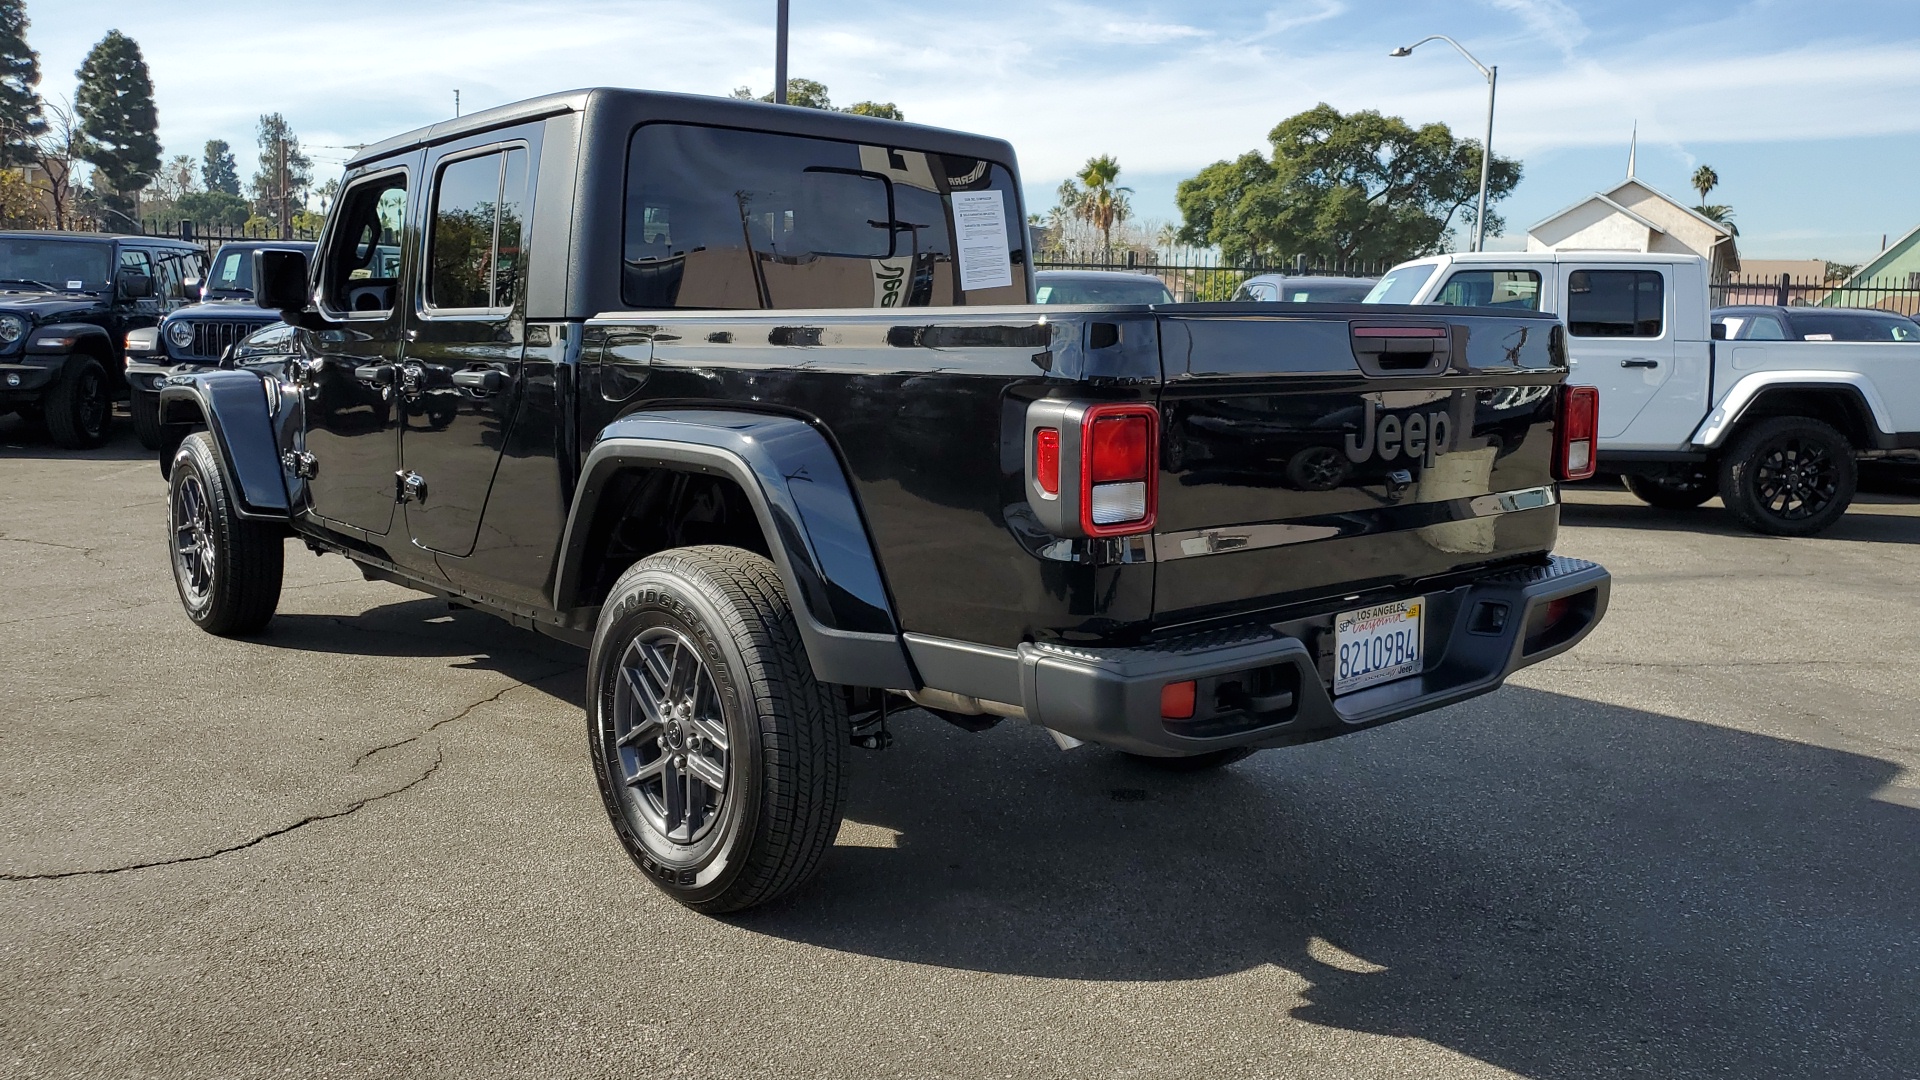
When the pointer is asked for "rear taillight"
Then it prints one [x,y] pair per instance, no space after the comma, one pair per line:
[1574,458]
[1112,451]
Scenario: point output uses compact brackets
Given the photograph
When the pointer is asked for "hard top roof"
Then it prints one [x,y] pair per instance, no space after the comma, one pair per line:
[1060,275]
[96,237]
[725,111]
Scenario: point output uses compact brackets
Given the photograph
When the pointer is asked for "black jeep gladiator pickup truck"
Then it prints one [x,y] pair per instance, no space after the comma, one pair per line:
[751,401]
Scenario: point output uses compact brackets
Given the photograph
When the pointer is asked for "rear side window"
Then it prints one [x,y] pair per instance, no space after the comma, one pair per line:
[1615,303]
[1492,288]
[475,255]
[718,218]
[1766,328]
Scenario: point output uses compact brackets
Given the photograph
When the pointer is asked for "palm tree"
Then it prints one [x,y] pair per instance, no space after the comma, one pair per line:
[1705,180]
[1099,201]
[1720,214]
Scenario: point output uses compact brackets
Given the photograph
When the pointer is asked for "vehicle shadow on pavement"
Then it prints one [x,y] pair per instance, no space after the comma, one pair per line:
[1860,523]
[429,627]
[20,439]
[1561,888]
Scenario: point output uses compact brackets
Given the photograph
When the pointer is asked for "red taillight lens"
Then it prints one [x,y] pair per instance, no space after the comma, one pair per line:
[1046,460]
[1579,422]
[1176,700]
[1118,482]
[1117,448]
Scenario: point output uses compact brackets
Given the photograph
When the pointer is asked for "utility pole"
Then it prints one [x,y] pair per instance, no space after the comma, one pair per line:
[780,56]
[286,197]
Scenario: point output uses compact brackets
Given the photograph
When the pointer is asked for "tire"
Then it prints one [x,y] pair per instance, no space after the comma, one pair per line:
[1788,476]
[1669,494]
[146,420]
[79,405]
[226,569]
[1212,759]
[755,717]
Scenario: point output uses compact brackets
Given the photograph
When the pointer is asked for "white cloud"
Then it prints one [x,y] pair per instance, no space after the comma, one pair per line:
[1552,21]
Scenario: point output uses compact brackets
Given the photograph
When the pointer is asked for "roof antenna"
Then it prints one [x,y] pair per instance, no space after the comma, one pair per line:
[1633,147]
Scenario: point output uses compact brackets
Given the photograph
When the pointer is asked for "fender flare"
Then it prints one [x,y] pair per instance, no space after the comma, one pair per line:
[79,332]
[806,510]
[1713,431]
[234,406]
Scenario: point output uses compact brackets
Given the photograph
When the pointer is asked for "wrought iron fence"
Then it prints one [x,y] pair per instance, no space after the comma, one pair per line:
[1897,294]
[1199,273]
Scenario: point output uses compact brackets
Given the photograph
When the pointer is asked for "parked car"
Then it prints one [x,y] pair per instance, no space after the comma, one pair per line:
[771,522]
[1098,287]
[1776,427]
[1304,289]
[198,334]
[1757,322]
[67,302]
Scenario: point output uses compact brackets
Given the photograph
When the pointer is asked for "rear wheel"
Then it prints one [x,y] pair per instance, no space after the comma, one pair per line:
[1788,476]
[146,420]
[79,405]
[1670,493]
[227,569]
[720,759]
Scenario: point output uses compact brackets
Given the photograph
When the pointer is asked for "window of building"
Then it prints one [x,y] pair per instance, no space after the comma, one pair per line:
[718,218]
[1492,288]
[1616,303]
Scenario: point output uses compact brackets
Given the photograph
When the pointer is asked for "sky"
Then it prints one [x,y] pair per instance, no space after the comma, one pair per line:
[1808,111]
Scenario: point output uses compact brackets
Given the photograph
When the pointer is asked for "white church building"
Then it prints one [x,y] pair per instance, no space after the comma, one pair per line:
[1634,216]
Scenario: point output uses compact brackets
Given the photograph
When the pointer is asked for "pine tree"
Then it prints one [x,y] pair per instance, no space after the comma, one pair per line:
[276,197]
[21,122]
[117,117]
[218,172]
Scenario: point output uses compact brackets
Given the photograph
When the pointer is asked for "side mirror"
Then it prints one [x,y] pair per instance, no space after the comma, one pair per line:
[191,286]
[134,285]
[1719,331]
[280,282]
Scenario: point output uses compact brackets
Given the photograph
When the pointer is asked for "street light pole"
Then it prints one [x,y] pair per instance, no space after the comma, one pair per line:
[1492,75]
[780,56]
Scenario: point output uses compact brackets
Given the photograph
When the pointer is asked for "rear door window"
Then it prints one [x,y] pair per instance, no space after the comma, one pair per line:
[474,249]
[1513,289]
[718,218]
[1616,303]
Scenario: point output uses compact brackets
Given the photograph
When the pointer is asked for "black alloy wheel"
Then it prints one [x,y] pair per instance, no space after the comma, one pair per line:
[1668,492]
[720,759]
[80,405]
[1789,476]
[227,569]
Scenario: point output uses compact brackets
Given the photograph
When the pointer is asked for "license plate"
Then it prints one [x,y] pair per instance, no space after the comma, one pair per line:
[1377,644]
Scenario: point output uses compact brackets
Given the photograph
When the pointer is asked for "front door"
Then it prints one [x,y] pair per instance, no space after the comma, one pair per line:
[351,373]
[1619,337]
[461,379]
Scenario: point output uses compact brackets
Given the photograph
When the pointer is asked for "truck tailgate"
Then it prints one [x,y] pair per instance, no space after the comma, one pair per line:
[1323,454]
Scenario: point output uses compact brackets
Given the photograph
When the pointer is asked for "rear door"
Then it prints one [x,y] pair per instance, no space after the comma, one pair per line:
[461,377]
[1620,335]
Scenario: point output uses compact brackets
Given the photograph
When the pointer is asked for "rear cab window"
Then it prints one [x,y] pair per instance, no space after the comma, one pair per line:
[1511,289]
[1616,303]
[719,218]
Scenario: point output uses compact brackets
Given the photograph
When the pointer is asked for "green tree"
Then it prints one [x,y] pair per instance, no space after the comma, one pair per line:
[1338,187]
[1705,180]
[21,121]
[118,120]
[809,94]
[1720,214]
[277,196]
[1093,195]
[212,208]
[218,171]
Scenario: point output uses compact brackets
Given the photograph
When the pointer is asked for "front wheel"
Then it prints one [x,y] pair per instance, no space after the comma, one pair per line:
[720,759]
[1669,493]
[1788,476]
[227,569]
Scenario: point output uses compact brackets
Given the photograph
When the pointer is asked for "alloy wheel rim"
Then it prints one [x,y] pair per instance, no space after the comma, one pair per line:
[193,559]
[671,736]
[1796,478]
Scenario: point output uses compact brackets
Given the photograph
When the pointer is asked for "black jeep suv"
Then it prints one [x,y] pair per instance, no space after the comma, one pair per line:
[198,335]
[67,302]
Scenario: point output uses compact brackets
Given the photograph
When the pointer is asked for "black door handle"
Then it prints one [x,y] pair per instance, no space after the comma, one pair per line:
[485,380]
[1639,361]
[377,374]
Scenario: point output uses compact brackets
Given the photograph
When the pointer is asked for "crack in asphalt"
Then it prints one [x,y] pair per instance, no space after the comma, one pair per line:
[85,552]
[351,808]
[462,714]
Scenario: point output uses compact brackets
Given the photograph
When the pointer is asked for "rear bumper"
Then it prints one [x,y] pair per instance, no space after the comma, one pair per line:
[1267,684]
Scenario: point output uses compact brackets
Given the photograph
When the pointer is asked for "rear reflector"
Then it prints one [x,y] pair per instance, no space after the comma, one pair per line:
[1400,331]
[1176,700]
[1046,461]
[1579,421]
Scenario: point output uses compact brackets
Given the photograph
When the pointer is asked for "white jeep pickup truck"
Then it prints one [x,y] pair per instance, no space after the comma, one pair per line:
[1774,428]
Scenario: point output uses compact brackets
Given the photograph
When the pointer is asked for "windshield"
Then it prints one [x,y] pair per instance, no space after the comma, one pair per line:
[59,264]
[1115,290]
[1853,326]
[232,271]
[1401,284]
[1332,292]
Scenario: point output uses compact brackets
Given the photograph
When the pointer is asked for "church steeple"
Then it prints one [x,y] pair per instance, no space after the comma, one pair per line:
[1633,147]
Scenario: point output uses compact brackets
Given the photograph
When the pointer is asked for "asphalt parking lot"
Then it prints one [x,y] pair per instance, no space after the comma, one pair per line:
[368,843]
